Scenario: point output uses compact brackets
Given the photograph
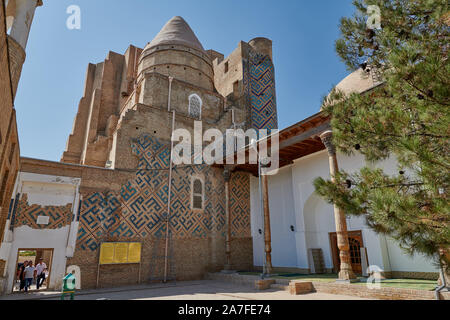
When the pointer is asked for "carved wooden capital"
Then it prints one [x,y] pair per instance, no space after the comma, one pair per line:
[327,139]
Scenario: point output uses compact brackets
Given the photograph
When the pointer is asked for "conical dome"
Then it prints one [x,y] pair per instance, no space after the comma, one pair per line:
[177,32]
[176,52]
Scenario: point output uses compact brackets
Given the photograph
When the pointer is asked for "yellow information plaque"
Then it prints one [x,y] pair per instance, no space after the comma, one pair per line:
[107,253]
[120,252]
[134,253]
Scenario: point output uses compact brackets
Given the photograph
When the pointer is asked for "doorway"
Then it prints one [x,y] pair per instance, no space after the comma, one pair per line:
[33,255]
[356,243]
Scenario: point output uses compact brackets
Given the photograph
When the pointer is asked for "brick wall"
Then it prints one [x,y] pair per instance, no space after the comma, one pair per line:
[131,205]
[189,259]
[9,144]
[17,59]
[339,288]
[382,293]
[411,275]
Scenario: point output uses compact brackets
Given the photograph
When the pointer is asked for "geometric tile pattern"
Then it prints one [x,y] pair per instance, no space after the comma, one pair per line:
[240,205]
[26,215]
[139,210]
[259,81]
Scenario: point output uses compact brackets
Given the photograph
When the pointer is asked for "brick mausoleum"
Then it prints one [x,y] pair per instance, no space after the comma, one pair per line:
[112,182]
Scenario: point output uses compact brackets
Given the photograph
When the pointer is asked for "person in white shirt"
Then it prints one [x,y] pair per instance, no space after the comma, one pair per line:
[40,274]
[29,275]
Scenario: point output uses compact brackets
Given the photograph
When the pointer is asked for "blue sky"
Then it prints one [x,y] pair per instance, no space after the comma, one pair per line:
[52,83]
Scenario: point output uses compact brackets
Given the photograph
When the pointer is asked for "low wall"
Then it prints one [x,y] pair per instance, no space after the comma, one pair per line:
[411,275]
[381,293]
[339,288]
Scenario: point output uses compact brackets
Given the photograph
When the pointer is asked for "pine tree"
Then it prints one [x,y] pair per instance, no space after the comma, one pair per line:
[406,117]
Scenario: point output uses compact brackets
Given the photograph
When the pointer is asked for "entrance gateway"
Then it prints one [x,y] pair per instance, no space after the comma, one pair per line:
[33,255]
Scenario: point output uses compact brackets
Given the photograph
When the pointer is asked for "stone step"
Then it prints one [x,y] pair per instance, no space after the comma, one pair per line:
[300,287]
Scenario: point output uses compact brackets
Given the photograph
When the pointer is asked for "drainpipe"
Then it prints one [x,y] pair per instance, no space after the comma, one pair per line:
[170,94]
[254,145]
[170,184]
[262,216]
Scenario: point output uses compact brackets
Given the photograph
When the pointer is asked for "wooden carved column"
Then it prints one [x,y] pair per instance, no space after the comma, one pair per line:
[346,272]
[267,235]
[227,177]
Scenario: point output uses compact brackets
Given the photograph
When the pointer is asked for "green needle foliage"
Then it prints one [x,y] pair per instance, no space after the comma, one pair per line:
[405,117]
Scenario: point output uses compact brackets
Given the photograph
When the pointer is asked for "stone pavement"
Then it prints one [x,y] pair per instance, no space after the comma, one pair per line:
[189,290]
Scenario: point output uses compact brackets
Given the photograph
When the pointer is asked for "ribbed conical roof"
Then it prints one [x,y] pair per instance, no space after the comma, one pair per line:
[358,81]
[176,31]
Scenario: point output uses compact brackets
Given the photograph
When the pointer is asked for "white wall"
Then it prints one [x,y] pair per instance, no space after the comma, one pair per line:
[319,222]
[282,217]
[400,261]
[28,238]
[293,201]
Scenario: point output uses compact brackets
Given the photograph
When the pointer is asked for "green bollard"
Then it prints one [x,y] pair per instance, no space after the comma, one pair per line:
[68,286]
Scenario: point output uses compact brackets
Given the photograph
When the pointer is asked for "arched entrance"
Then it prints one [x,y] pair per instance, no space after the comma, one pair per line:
[319,222]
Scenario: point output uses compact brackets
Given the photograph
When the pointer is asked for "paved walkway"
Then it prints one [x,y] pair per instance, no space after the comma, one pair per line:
[189,290]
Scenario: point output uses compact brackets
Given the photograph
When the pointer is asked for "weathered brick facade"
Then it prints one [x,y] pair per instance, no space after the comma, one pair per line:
[11,59]
[123,124]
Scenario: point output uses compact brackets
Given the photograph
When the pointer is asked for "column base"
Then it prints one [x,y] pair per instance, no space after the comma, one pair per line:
[269,270]
[347,275]
[228,269]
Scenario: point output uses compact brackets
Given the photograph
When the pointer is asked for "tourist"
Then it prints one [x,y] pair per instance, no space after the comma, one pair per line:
[40,274]
[21,274]
[30,274]
[46,276]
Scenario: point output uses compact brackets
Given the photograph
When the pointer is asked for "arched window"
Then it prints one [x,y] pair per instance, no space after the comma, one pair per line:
[195,106]
[197,193]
